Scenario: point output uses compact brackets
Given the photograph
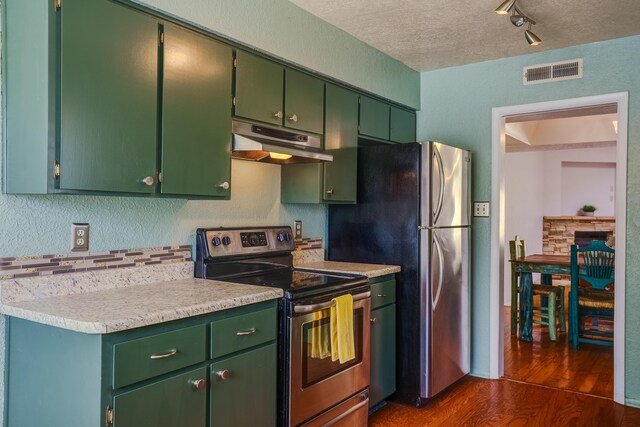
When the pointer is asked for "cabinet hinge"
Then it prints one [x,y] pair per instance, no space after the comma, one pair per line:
[57,4]
[56,170]
[233,101]
[160,176]
[108,417]
[358,128]
[359,100]
[161,38]
[235,63]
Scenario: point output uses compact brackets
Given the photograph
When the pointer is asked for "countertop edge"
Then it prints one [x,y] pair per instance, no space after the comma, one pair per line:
[127,323]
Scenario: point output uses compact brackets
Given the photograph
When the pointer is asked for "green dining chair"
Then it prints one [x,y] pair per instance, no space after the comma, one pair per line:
[550,311]
[591,300]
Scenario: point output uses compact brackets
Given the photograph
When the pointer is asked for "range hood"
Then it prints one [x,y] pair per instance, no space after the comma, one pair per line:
[270,144]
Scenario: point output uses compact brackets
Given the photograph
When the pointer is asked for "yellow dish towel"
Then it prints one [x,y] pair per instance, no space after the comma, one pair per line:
[319,336]
[342,344]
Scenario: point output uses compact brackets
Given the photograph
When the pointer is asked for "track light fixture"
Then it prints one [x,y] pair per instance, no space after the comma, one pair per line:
[518,18]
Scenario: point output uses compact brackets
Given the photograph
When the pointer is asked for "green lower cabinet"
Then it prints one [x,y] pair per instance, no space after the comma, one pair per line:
[243,389]
[173,402]
[383,354]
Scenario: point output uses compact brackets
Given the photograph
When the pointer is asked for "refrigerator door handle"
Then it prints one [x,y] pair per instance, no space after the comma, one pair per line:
[436,299]
[438,157]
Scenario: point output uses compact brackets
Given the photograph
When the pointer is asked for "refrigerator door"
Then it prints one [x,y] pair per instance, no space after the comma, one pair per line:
[449,175]
[446,292]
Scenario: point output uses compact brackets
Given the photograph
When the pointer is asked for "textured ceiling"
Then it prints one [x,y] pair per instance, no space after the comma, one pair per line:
[431,34]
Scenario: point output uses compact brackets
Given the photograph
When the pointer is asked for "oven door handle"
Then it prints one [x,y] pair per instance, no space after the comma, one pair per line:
[310,308]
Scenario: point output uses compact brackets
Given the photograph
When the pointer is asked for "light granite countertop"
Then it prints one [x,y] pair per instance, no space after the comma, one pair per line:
[118,309]
[369,270]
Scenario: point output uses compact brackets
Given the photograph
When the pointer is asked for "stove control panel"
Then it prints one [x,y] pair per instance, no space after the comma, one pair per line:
[225,242]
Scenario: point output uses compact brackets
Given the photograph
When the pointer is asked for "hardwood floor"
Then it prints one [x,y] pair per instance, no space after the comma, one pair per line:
[556,364]
[479,402]
[546,384]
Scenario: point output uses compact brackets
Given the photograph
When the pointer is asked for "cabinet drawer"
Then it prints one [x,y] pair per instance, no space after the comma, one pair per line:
[243,331]
[383,293]
[147,357]
[168,403]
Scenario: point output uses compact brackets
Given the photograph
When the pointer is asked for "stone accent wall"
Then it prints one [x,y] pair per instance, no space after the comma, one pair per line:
[558,231]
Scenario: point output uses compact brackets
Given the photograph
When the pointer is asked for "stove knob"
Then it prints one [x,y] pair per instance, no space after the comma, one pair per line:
[226,240]
[287,237]
[216,241]
[280,237]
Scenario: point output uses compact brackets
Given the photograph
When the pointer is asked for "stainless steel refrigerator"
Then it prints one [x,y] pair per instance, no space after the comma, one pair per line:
[413,210]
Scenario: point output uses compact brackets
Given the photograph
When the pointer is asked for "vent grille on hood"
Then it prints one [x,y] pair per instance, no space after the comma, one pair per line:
[555,71]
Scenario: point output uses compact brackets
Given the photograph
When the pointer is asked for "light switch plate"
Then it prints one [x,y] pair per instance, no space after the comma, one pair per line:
[297,230]
[79,237]
[481,209]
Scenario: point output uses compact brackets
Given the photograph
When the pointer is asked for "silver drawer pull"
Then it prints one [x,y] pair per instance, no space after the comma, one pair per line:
[165,355]
[247,332]
[382,295]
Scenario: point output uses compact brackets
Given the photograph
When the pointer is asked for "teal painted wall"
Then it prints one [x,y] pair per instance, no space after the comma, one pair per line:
[456,108]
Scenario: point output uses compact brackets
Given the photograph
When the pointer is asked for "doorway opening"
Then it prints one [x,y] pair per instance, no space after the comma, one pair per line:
[537,157]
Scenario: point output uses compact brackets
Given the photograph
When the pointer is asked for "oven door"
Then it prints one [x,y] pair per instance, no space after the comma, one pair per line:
[318,384]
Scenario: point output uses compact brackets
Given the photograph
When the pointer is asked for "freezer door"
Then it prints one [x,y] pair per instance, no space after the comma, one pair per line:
[449,186]
[448,316]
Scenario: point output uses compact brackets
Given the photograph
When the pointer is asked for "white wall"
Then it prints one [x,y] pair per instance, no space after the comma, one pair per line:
[588,183]
[534,187]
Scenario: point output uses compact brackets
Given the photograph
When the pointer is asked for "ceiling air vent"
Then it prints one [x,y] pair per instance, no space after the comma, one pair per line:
[552,72]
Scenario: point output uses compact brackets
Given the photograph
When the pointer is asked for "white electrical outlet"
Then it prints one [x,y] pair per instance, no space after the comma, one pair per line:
[79,237]
[481,209]
[297,230]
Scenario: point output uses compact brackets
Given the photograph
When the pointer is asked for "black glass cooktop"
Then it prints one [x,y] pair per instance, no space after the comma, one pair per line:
[296,283]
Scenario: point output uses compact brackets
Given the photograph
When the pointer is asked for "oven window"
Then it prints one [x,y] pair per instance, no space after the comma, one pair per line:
[316,363]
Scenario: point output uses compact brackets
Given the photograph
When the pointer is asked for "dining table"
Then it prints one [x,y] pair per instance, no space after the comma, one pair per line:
[547,266]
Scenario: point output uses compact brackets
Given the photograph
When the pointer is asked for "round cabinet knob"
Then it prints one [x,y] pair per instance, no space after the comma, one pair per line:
[224,185]
[373,320]
[288,237]
[293,118]
[148,181]
[223,375]
[280,237]
[330,191]
[199,384]
[277,115]
[216,241]
[226,240]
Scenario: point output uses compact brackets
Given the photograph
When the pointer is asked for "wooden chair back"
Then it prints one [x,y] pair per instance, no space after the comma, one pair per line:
[598,264]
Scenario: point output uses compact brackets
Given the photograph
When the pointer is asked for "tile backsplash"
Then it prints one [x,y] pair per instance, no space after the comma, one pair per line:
[43,265]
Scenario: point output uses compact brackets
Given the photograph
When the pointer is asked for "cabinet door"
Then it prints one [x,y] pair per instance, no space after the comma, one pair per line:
[173,402]
[403,125]
[383,354]
[303,102]
[109,87]
[259,89]
[243,389]
[196,125]
[374,118]
[341,140]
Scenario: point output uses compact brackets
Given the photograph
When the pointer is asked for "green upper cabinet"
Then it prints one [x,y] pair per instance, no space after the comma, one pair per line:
[329,182]
[108,97]
[259,89]
[196,114]
[341,140]
[403,125]
[303,102]
[374,118]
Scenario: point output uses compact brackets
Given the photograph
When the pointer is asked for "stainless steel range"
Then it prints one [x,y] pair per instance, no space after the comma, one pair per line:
[313,391]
